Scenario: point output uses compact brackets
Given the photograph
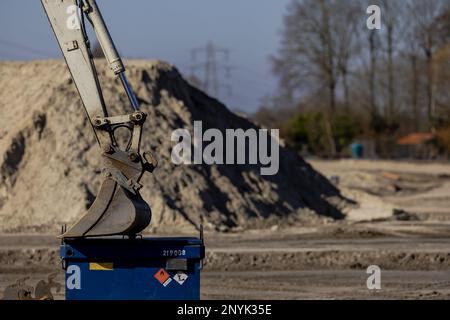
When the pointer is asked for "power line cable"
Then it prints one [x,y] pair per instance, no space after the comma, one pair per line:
[18,46]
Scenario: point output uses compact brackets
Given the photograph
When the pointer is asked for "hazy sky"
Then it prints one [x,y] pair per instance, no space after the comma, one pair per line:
[168,30]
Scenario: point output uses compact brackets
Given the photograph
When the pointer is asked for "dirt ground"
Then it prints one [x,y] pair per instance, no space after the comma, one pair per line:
[326,260]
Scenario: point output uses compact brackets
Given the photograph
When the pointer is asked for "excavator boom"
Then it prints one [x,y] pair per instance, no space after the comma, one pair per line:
[118,208]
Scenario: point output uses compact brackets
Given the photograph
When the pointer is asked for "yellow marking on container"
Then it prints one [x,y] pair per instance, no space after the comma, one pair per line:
[101,266]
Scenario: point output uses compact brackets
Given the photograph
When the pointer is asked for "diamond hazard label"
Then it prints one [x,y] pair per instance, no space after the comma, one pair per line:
[163,277]
[180,277]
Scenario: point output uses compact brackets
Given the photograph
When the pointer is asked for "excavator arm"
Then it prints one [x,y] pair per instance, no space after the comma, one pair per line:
[118,208]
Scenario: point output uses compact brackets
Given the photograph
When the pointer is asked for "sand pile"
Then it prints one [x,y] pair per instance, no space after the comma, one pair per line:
[49,161]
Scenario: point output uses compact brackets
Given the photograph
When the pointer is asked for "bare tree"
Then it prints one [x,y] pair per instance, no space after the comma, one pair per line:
[316,49]
[391,18]
[305,51]
[414,88]
[347,21]
[425,15]
[373,54]
[412,52]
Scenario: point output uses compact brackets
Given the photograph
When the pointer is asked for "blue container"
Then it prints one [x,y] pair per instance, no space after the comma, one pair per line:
[357,150]
[133,269]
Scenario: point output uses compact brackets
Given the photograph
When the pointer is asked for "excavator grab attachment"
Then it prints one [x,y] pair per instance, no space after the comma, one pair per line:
[118,208]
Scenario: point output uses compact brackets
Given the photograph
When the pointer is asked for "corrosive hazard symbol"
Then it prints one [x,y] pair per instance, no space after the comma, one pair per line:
[163,277]
[180,277]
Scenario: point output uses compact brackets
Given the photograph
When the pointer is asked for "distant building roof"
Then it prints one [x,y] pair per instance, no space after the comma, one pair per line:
[415,138]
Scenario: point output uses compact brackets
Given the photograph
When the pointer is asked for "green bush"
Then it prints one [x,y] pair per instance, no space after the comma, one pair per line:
[309,129]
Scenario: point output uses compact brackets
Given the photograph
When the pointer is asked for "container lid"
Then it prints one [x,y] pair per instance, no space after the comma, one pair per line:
[139,248]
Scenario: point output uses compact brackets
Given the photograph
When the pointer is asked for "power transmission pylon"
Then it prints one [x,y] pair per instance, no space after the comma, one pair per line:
[211,67]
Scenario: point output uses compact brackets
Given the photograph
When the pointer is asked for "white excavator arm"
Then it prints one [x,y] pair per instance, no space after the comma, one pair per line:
[118,208]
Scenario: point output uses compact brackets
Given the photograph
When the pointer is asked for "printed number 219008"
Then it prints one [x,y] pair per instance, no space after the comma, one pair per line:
[173,253]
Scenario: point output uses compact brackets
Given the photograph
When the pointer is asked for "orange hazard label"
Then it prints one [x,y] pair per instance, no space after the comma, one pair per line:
[162,276]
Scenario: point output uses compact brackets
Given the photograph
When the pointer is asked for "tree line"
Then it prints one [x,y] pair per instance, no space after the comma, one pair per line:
[340,80]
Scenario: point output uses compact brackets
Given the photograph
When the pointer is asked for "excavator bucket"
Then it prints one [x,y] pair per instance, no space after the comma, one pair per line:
[115,211]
